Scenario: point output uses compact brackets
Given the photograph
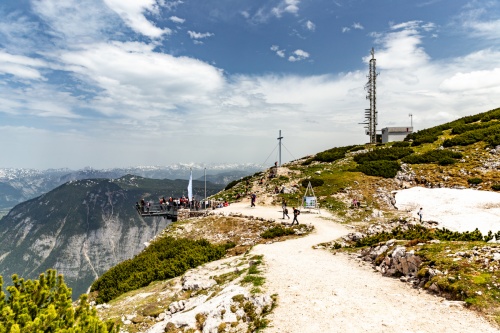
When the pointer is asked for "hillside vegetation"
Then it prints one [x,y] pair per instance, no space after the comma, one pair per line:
[458,154]
[164,259]
[44,305]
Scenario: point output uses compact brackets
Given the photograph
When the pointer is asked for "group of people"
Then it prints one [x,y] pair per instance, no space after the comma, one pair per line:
[164,204]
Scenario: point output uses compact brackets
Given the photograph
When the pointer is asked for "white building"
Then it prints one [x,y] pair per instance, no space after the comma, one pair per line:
[390,134]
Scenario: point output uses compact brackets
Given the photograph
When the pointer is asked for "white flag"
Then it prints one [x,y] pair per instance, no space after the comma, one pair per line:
[190,187]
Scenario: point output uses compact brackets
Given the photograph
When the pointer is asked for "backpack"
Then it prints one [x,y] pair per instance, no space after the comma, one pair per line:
[286,211]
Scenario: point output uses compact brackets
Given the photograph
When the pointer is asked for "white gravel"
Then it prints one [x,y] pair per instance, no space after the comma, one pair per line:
[321,292]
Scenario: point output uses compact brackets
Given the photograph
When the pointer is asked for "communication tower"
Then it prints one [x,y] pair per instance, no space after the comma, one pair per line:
[371,89]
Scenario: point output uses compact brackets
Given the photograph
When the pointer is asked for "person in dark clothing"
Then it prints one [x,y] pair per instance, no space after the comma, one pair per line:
[143,204]
[296,213]
[253,197]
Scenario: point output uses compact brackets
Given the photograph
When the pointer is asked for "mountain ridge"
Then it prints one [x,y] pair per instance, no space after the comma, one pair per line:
[18,185]
[84,227]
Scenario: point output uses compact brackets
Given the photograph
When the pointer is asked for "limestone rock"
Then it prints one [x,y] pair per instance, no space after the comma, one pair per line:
[197,283]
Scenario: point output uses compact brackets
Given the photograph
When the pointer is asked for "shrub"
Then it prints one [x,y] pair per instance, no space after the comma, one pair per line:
[332,155]
[307,162]
[165,258]
[495,187]
[471,127]
[446,161]
[277,231]
[420,233]
[386,169]
[426,136]
[473,136]
[474,181]
[432,156]
[315,182]
[356,148]
[430,135]
[401,144]
[493,140]
[388,154]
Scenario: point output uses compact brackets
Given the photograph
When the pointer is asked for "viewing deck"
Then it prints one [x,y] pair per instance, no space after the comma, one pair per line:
[169,212]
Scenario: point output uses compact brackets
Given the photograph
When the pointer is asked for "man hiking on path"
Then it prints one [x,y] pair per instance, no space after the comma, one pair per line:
[296,213]
[253,197]
[285,212]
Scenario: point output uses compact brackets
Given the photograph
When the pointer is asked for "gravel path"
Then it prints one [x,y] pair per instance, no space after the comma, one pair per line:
[321,292]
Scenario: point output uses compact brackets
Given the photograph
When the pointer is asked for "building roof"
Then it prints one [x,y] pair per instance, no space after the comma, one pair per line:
[398,129]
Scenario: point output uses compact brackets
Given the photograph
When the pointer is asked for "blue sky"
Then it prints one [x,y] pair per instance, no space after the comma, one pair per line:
[117,83]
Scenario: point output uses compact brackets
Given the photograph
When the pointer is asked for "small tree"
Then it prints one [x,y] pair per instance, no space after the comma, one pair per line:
[44,305]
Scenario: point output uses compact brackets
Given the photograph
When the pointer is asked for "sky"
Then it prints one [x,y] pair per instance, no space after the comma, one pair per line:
[121,83]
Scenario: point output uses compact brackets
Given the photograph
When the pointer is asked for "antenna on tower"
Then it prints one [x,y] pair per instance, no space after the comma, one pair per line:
[279,138]
[371,88]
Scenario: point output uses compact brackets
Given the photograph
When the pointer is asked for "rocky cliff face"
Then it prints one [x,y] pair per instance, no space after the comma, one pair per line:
[81,228]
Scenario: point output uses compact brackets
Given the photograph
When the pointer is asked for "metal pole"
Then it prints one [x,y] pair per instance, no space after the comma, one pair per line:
[205,200]
[279,138]
[411,120]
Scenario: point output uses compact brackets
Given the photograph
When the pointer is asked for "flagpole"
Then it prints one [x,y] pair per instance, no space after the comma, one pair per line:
[190,188]
[205,200]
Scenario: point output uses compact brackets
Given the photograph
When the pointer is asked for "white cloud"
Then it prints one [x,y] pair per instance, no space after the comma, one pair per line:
[65,20]
[401,47]
[485,29]
[357,26]
[476,80]
[480,19]
[199,35]
[406,25]
[137,82]
[298,55]
[286,6]
[245,14]
[20,66]
[14,28]
[176,19]
[310,26]
[132,13]
[279,53]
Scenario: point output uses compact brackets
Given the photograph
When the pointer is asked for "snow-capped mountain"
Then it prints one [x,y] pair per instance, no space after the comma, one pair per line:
[19,185]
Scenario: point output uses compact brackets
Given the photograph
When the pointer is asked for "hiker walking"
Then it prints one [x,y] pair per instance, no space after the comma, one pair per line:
[285,212]
[253,197]
[420,213]
[296,213]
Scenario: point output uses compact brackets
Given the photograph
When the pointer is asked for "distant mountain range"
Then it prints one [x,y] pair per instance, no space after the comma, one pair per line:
[84,227]
[19,185]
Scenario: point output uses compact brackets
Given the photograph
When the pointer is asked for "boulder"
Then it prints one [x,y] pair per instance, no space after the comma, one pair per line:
[197,283]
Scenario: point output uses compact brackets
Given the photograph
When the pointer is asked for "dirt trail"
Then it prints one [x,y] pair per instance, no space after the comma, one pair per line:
[322,292]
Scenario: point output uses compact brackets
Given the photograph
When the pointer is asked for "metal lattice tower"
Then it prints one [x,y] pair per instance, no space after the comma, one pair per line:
[371,89]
